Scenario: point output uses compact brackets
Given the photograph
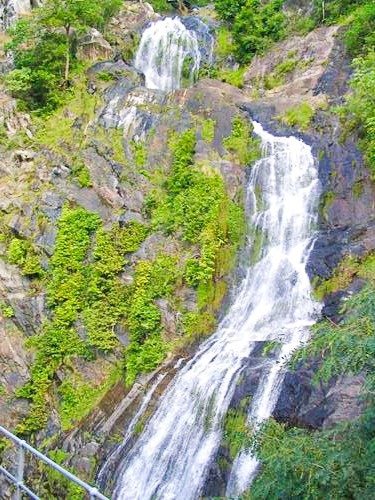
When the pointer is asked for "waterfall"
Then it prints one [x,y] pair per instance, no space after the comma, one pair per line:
[168,52]
[171,458]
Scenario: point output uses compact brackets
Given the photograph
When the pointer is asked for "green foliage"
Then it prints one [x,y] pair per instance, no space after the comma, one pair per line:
[51,484]
[299,116]
[44,49]
[39,57]
[233,77]
[277,77]
[297,463]
[139,153]
[359,112]
[147,348]
[224,43]
[161,5]
[77,397]
[17,250]
[241,144]
[343,275]
[196,325]
[228,9]
[330,11]
[336,463]
[82,174]
[21,253]
[196,206]
[237,434]
[208,129]
[106,295]
[80,291]
[360,36]
[5,310]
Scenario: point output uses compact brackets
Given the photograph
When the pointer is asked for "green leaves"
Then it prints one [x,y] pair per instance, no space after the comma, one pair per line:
[44,52]
[255,24]
[83,290]
[359,111]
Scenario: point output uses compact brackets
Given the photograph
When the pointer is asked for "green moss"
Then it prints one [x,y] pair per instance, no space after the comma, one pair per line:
[82,174]
[347,270]
[241,144]
[326,201]
[196,326]
[233,77]
[298,116]
[5,310]
[139,152]
[280,72]
[208,129]
[269,347]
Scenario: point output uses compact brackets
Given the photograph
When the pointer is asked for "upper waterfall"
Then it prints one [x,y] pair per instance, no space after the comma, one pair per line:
[171,458]
[168,53]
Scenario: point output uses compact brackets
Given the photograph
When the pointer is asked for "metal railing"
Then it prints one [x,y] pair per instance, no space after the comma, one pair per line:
[18,479]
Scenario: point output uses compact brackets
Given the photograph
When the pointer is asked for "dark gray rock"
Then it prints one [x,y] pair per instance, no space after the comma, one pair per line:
[204,34]
[320,405]
[118,69]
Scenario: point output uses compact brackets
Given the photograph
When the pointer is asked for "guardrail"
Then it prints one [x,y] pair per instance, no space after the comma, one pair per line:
[18,479]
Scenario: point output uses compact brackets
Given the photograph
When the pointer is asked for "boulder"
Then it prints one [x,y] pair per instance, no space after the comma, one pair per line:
[93,46]
[318,406]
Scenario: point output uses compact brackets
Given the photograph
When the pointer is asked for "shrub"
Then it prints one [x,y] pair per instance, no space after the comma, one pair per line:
[83,288]
[244,147]
[359,112]
[299,116]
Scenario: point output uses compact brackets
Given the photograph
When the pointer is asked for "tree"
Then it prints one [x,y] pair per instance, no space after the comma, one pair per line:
[43,46]
[256,26]
[74,16]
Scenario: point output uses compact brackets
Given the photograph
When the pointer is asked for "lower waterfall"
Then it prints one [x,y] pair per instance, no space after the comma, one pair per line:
[172,456]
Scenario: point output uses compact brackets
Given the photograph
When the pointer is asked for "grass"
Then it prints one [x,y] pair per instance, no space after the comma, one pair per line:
[299,116]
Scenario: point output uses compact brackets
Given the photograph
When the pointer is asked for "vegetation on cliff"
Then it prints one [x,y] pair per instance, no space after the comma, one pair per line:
[107,302]
[337,462]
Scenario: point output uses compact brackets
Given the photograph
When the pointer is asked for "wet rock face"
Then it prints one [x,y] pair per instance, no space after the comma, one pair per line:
[204,34]
[318,406]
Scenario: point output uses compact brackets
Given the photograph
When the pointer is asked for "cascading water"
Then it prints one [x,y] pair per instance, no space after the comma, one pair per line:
[166,46]
[171,458]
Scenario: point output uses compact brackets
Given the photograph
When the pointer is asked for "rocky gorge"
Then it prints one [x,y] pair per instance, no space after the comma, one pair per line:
[85,195]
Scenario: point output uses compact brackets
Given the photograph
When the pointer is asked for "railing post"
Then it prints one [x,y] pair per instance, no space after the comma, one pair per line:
[93,493]
[20,470]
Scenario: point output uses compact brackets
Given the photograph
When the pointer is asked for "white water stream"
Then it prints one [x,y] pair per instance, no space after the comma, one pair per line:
[165,47]
[171,458]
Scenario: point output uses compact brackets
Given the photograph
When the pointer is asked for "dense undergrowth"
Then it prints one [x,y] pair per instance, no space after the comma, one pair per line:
[82,294]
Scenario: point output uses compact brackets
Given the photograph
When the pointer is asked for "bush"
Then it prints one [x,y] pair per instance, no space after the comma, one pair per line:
[241,144]
[359,112]
[84,289]
[360,36]
[299,116]
[147,348]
